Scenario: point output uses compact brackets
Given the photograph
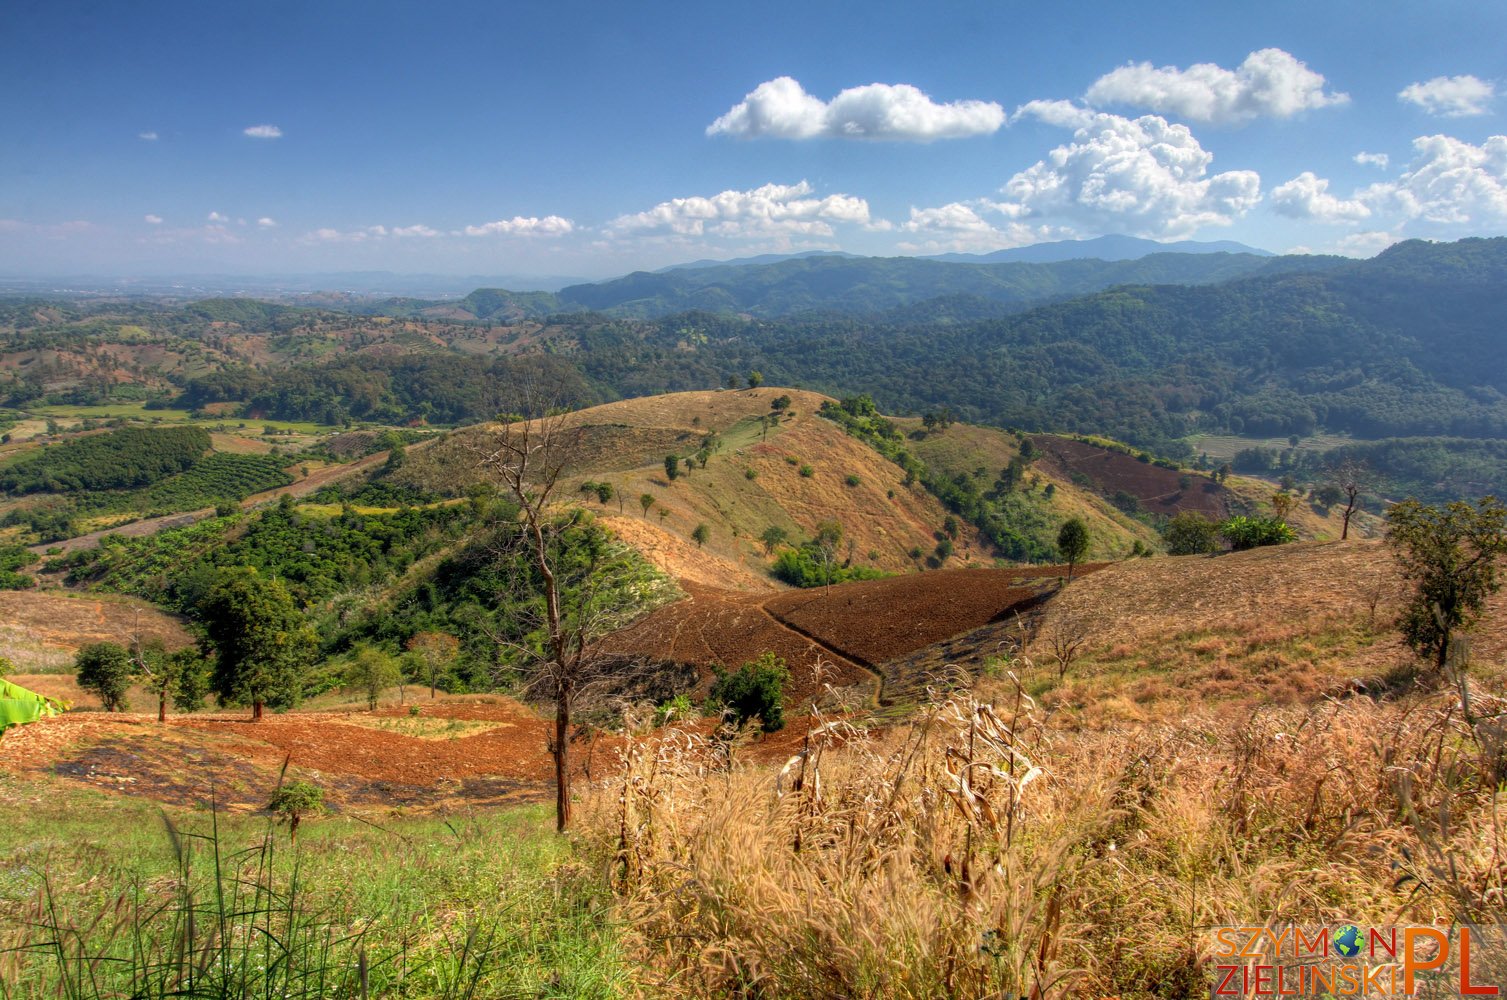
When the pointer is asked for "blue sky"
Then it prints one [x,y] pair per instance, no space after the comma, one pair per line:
[592,138]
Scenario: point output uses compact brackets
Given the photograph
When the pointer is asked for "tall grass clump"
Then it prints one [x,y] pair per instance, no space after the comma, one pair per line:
[977,851]
[942,861]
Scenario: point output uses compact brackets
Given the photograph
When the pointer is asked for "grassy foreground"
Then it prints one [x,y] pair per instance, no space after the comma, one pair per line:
[977,850]
[103,896]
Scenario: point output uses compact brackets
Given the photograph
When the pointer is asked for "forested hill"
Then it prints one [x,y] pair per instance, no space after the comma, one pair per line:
[853,285]
[1407,345]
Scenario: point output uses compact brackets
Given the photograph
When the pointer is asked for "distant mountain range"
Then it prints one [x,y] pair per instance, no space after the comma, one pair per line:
[841,284]
[1100,248]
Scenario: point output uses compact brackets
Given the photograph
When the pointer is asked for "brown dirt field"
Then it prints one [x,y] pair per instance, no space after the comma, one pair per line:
[361,767]
[875,621]
[39,626]
[1156,488]
[855,629]
[718,627]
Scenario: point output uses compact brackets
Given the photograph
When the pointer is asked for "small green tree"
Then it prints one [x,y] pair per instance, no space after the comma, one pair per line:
[753,691]
[107,670]
[701,533]
[1072,543]
[755,379]
[1449,554]
[672,467]
[1190,534]
[6,667]
[773,537]
[372,670]
[295,800]
[604,493]
[646,500]
[259,639]
[435,650]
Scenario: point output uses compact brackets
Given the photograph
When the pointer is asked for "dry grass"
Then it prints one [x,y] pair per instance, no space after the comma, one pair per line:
[976,852]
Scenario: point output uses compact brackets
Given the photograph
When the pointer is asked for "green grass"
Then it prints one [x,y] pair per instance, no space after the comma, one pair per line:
[96,891]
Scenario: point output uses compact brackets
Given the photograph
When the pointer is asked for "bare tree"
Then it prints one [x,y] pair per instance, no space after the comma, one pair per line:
[574,565]
[1352,477]
[1065,638]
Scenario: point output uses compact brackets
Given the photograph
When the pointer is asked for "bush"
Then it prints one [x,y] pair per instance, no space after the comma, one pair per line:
[753,691]
[807,472]
[106,669]
[1253,532]
[1190,534]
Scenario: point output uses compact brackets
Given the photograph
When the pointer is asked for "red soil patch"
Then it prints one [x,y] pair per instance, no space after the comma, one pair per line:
[875,621]
[714,627]
[852,630]
[1157,489]
[238,762]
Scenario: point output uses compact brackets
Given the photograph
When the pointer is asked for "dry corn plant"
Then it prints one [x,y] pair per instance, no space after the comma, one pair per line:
[937,860]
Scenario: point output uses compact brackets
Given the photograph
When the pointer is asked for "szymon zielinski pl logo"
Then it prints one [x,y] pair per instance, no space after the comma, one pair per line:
[1347,960]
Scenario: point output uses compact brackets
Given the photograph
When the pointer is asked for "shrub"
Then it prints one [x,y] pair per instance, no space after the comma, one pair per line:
[1253,532]
[753,691]
[807,472]
[851,479]
[1190,534]
[295,800]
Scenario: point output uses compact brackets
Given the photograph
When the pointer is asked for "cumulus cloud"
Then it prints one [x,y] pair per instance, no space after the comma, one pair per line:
[518,225]
[217,217]
[1307,196]
[1449,182]
[1143,176]
[266,223]
[153,220]
[787,209]
[1270,83]
[147,136]
[782,109]
[263,131]
[963,227]
[1451,96]
[1381,160]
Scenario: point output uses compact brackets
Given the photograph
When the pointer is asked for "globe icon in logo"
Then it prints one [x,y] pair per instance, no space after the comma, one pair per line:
[1347,940]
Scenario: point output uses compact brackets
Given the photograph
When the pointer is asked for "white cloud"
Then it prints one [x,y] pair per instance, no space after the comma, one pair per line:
[1307,196]
[1449,182]
[1270,83]
[263,131]
[961,227]
[549,225]
[147,136]
[1063,114]
[1142,176]
[217,217]
[1381,160]
[153,220]
[786,209]
[1451,96]
[266,223]
[414,230]
[782,109]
